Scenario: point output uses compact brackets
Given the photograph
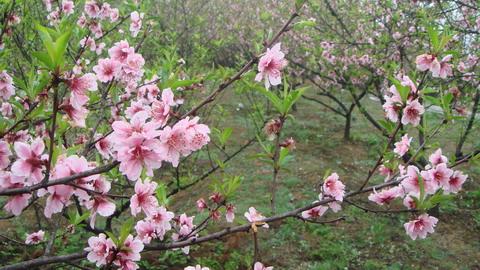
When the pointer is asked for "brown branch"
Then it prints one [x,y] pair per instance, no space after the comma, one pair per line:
[59,181]
[210,98]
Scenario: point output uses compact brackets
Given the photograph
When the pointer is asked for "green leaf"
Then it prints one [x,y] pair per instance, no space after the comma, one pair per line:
[274,99]
[292,98]
[404,91]
[61,45]
[79,219]
[299,4]
[44,59]
[182,83]
[303,24]
[433,35]
[433,100]
[47,41]
[125,230]
[114,238]
[283,157]
[161,194]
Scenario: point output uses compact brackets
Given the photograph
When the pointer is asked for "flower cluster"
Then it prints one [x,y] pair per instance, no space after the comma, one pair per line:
[123,65]
[6,86]
[142,144]
[417,185]
[412,109]
[219,201]
[270,66]
[332,188]
[103,251]
[430,62]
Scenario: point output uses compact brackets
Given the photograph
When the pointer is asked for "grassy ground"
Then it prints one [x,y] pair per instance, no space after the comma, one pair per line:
[363,240]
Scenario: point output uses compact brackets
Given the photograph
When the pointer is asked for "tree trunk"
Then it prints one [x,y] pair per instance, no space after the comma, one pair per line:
[348,124]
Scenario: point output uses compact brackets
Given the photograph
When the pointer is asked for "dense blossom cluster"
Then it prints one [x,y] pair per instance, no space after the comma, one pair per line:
[102,250]
[411,110]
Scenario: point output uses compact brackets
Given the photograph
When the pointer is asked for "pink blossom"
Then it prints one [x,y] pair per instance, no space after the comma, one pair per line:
[76,115]
[174,142]
[412,113]
[6,86]
[161,218]
[88,42]
[444,69]
[397,35]
[161,108]
[197,267]
[48,5]
[101,185]
[124,131]
[99,249]
[104,146]
[385,171]
[134,64]
[6,109]
[455,182]
[29,163]
[138,153]
[426,62]
[107,69]
[437,158]
[74,165]
[421,226]
[183,138]
[59,197]
[149,91]
[253,216]
[393,104]
[100,48]
[67,7]
[197,134]
[334,187]
[411,182]
[4,155]
[114,14]
[315,212]
[101,205]
[96,28]
[82,20]
[144,198]
[79,86]
[131,249]
[135,107]
[230,213]
[35,238]
[401,147]
[386,196]
[17,203]
[260,266]
[136,23]
[406,81]
[92,9]
[409,202]
[105,10]
[201,204]
[120,51]
[270,66]
[440,175]
[146,231]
